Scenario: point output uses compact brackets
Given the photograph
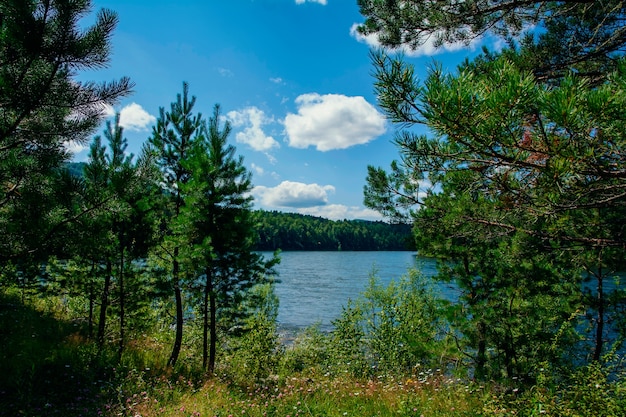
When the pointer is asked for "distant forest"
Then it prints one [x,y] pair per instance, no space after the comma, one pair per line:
[290,231]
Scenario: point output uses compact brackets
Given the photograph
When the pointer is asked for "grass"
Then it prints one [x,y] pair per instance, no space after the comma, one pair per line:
[307,395]
[49,368]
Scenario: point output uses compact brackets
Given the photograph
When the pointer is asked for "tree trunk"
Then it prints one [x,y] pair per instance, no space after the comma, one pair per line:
[597,353]
[92,297]
[205,320]
[208,287]
[178,338]
[122,304]
[104,304]
[213,327]
[481,355]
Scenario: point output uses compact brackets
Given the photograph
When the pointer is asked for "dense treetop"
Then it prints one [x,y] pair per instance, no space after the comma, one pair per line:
[519,185]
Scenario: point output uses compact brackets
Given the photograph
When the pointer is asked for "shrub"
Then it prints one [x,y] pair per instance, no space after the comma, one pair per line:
[391,329]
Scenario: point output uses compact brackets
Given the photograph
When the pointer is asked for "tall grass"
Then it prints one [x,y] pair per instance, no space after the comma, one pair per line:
[49,367]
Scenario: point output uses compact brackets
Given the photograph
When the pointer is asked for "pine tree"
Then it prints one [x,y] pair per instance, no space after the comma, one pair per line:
[120,226]
[525,161]
[173,138]
[218,211]
[579,34]
[44,106]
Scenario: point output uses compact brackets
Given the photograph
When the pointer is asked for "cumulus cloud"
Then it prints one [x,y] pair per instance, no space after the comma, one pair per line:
[427,49]
[293,194]
[134,117]
[75,147]
[341,212]
[252,120]
[333,121]
[322,2]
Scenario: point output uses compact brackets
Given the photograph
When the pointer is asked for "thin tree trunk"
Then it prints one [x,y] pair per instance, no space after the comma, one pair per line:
[205,320]
[92,297]
[481,329]
[178,297]
[104,304]
[481,355]
[122,304]
[213,328]
[597,353]
[178,338]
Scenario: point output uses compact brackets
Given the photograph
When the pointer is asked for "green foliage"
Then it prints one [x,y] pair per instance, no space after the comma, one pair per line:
[254,355]
[43,47]
[310,349]
[176,133]
[521,175]
[349,353]
[580,35]
[591,390]
[289,231]
[43,360]
[54,370]
[399,325]
[513,218]
[389,330]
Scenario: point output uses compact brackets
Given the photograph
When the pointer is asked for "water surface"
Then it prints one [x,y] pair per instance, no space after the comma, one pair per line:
[316,285]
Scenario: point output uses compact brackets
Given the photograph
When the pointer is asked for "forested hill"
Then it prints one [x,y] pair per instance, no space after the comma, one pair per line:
[290,231]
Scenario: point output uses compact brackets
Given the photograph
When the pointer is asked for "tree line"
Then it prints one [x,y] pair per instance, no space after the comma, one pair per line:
[290,231]
[283,231]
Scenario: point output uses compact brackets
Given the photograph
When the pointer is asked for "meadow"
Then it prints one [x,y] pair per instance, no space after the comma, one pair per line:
[50,368]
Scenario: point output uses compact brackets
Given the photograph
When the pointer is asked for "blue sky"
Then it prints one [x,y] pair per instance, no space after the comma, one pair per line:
[291,76]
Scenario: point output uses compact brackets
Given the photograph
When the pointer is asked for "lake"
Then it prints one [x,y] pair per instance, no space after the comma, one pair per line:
[314,286]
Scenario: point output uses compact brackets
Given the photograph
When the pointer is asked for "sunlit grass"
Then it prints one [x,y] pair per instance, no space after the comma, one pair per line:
[312,395]
[61,374]
[50,368]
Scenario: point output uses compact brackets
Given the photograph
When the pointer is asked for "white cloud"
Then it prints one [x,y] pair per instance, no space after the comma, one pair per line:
[426,49]
[134,117]
[277,80]
[108,111]
[341,212]
[252,119]
[75,147]
[322,2]
[259,170]
[293,194]
[271,158]
[225,72]
[333,121]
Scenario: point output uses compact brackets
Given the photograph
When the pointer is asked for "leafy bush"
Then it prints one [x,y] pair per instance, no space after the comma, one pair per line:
[312,348]
[391,329]
[254,355]
[593,390]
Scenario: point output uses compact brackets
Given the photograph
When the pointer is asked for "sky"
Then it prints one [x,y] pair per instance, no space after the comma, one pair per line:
[292,77]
